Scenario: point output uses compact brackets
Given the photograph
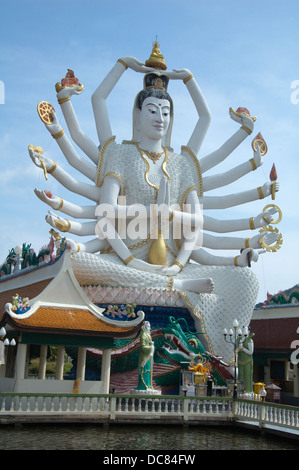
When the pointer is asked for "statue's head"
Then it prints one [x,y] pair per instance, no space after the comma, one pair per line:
[153,96]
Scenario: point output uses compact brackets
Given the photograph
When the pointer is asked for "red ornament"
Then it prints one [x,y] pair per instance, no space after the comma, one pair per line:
[273,173]
[70,79]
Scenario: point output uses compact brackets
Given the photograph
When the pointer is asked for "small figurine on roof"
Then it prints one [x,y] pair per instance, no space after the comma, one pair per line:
[19,304]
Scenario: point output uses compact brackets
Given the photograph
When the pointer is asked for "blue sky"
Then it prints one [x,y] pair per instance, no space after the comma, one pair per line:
[242,54]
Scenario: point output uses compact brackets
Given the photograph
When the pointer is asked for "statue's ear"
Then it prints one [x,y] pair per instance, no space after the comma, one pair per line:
[137,118]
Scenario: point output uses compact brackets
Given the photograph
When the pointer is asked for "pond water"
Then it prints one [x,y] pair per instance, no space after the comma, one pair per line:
[126,438]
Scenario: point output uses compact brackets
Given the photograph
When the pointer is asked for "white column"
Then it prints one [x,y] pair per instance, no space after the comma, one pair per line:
[59,363]
[267,375]
[81,363]
[21,361]
[296,380]
[42,362]
[106,367]
[27,361]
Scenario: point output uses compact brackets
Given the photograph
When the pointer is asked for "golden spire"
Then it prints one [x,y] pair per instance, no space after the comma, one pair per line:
[156,59]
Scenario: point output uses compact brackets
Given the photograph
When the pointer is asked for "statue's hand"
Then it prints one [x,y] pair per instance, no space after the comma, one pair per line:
[40,161]
[269,238]
[55,127]
[163,192]
[267,188]
[163,200]
[71,245]
[171,270]
[48,198]
[242,119]
[59,223]
[258,157]
[248,253]
[178,74]
[136,65]
[265,218]
[68,91]
[144,266]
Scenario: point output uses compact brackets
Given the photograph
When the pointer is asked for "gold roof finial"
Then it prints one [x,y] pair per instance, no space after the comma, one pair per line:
[156,59]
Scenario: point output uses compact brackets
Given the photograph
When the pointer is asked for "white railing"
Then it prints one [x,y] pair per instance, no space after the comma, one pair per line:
[176,408]
[114,407]
[186,408]
[268,414]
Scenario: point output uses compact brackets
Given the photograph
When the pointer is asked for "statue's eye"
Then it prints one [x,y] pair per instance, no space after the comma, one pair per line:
[193,342]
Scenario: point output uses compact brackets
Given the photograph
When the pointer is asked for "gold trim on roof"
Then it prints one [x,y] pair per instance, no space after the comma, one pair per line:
[63,318]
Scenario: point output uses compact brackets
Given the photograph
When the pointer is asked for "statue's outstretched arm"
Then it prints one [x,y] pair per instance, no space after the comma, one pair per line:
[49,166]
[200,104]
[204,114]
[216,157]
[232,243]
[228,177]
[231,200]
[77,134]
[223,226]
[203,257]
[59,204]
[75,160]
[65,225]
[99,97]
[91,246]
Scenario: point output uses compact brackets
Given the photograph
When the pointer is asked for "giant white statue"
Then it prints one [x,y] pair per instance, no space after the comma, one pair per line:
[146,219]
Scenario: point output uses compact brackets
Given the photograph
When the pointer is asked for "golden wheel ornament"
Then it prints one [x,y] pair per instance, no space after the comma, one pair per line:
[279,212]
[259,141]
[278,243]
[44,110]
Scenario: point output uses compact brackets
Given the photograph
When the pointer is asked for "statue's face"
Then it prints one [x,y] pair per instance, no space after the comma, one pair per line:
[154,117]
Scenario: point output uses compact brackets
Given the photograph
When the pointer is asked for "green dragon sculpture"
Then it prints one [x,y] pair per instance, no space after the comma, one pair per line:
[175,347]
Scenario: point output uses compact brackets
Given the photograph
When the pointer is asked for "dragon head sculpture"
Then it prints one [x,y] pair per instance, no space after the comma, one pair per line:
[180,346]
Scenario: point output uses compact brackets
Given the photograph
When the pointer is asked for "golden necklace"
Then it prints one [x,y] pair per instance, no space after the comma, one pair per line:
[154,156]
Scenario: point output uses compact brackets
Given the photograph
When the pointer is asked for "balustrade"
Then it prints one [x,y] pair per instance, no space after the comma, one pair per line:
[113,407]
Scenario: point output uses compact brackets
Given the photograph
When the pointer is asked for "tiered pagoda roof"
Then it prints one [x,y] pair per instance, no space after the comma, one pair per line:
[60,307]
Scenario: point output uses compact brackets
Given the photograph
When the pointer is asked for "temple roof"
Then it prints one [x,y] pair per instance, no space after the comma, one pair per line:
[283,297]
[63,320]
[63,308]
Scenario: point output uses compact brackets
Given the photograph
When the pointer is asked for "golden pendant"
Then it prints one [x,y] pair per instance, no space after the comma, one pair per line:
[157,253]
